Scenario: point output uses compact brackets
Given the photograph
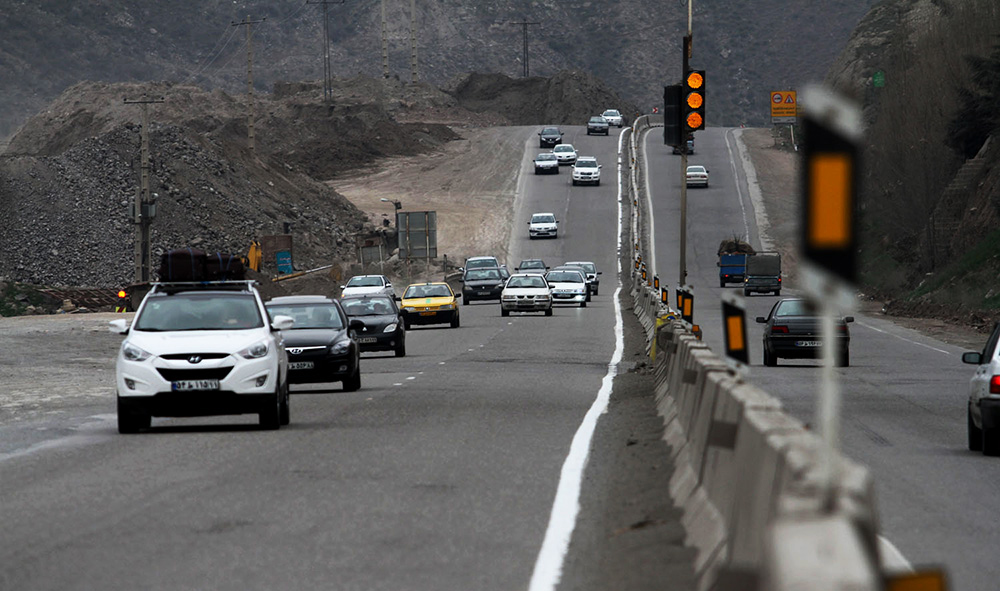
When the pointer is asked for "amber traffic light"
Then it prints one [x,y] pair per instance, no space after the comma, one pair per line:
[693,101]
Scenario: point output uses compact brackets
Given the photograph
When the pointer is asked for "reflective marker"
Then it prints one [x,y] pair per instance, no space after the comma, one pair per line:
[830,201]
[734,333]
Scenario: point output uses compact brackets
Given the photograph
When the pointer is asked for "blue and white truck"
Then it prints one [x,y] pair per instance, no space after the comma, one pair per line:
[732,263]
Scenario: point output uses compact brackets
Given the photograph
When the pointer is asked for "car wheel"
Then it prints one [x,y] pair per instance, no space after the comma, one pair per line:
[406,324]
[975,433]
[401,348]
[844,358]
[353,382]
[583,304]
[548,312]
[130,421]
[595,291]
[455,321]
[504,312]
[574,182]
[285,412]
[269,415]
[537,171]
[589,296]
[991,441]
[722,282]
[465,301]
[769,359]
[597,183]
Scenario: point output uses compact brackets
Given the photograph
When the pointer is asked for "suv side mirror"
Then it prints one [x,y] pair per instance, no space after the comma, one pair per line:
[119,326]
[972,357]
[282,322]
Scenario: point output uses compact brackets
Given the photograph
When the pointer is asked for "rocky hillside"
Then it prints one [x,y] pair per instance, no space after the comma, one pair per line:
[748,47]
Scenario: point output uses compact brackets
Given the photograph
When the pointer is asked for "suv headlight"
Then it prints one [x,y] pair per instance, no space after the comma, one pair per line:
[340,347]
[255,351]
[133,353]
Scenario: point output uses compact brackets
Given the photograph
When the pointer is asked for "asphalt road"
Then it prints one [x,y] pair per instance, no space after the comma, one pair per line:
[904,396]
[440,473]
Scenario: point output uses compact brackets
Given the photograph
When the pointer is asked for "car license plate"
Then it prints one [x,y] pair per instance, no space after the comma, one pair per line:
[482,293]
[301,365]
[807,343]
[428,313]
[367,340]
[188,385]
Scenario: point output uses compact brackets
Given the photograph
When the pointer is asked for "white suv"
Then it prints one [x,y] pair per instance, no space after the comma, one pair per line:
[201,349]
[586,170]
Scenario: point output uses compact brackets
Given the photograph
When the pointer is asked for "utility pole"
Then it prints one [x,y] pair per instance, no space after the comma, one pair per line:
[526,71]
[385,44]
[249,25]
[413,41]
[327,72]
[684,160]
[144,208]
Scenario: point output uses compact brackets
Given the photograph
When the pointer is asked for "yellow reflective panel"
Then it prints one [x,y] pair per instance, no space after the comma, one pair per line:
[734,326]
[687,306]
[695,80]
[830,201]
[921,581]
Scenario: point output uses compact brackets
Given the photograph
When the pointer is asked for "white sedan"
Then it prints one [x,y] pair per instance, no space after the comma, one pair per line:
[697,176]
[368,285]
[546,162]
[569,286]
[543,225]
[613,117]
[565,153]
[526,292]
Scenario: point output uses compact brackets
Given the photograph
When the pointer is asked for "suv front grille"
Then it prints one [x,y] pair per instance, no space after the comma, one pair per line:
[186,356]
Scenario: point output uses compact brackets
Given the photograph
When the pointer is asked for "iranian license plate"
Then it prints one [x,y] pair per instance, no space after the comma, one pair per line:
[482,293]
[428,313]
[807,343]
[189,385]
[367,340]
[301,365]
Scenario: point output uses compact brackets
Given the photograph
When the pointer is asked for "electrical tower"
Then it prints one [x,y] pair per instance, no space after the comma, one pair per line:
[250,106]
[385,44]
[144,208]
[413,41]
[327,72]
[526,71]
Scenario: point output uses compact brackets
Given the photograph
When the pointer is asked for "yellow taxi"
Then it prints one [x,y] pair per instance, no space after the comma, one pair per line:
[429,303]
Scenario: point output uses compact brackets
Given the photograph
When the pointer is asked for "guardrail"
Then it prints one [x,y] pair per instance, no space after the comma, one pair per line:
[750,478]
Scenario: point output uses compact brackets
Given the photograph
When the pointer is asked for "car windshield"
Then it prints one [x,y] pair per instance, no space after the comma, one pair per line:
[482,263]
[482,274]
[563,148]
[565,277]
[527,281]
[199,311]
[597,120]
[795,308]
[367,306]
[546,156]
[427,291]
[588,267]
[586,163]
[543,219]
[365,282]
[531,265]
[611,113]
[550,131]
[319,315]
[696,169]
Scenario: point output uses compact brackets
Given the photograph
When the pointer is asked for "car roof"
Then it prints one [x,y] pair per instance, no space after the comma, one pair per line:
[365,296]
[611,110]
[586,159]
[300,299]
[695,167]
[543,213]
[428,283]
[577,263]
[542,275]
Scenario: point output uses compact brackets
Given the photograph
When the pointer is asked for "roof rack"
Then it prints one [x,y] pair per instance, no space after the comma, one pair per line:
[178,286]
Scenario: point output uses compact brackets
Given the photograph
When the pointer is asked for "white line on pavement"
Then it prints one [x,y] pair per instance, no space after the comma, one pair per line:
[902,338]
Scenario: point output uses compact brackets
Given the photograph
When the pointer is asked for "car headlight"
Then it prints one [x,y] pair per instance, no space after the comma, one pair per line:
[543,297]
[390,328]
[133,353]
[340,347]
[255,351]
[447,307]
[409,309]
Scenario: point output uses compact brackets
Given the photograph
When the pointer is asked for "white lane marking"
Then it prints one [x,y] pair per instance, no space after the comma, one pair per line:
[566,506]
[398,384]
[892,559]
[739,191]
[411,378]
[902,338]
[440,362]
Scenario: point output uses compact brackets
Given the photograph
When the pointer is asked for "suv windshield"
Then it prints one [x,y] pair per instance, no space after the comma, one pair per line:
[586,163]
[199,311]
[546,156]
[550,131]
[309,315]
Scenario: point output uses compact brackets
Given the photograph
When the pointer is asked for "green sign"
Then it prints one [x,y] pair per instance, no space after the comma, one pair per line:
[878,79]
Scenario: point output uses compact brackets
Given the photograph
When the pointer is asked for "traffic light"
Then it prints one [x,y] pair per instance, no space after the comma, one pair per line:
[672,135]
[693,101]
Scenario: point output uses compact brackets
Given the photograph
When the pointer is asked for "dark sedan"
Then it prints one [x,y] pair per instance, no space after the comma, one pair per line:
[321,345]
[549,137]
[383,323]
[793,331]
[481,284]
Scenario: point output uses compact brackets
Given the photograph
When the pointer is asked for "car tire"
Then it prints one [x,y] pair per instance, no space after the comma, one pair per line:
[548,312]
[597,183]
[406,324]
[991,441]
[769,359]
[574,182]
[589,296]
[975,433]
[722,282]
[269,415]
[746,293]
[844,358]
[131,421]
[465,301]
[504,312]
[401,348]
[456,321]
[352,383]
[285,412]
[583,304]
[596,290]
[537,171]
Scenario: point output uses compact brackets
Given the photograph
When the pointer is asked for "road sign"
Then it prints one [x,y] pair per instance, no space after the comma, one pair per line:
[878,79]
[784,107]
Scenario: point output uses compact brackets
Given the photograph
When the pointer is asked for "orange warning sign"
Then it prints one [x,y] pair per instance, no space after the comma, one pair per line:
[784,107]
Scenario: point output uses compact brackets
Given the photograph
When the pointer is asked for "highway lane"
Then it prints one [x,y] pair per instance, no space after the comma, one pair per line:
[904,395]
[438,474]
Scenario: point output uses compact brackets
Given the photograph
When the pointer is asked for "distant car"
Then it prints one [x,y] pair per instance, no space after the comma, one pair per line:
[532,266]
[543,225]
[368,284]
[430,303]
[792,331]
[565,153]
[201,350]
[598,124]
[383,323]
[593,275]
[526,292]
[481,284]
[586,170]
[481,262]
[321,345]
[697,176]
[546,162]
[690,147]
[614,117]
[549,136]
[569,286]
[983,409]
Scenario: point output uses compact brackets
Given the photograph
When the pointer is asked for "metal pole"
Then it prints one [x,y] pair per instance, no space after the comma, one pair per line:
[250,105]
[828,409]
[327,91]
[385,44]
[143,214]
[413,41]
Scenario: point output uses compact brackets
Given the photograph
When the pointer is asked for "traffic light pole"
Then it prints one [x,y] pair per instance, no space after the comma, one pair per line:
[684,163]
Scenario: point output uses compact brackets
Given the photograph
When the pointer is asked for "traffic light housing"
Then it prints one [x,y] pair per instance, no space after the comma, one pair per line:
[672,135]
[693,101]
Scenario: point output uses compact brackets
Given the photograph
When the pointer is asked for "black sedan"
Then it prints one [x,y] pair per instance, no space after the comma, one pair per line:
[482,284]
[549,137]
[793,331]
[383,323]
[321,345]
